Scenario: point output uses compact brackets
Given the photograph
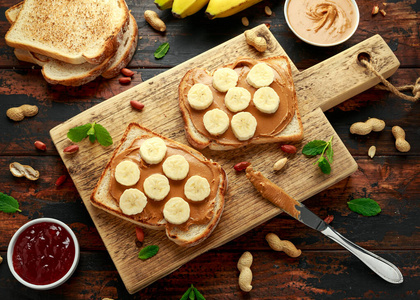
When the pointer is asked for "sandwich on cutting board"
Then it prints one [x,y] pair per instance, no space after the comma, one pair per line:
[247,102]
[158,183]
[68,55]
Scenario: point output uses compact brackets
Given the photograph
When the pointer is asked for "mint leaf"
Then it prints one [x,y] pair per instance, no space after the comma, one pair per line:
[8,204]
[92,138]
[324,165]
[91,131]
[161,50]
[198,295]
[148,252]
[78,133]
[320,147]
[314,147]
[364,206]
[103,136]
[329,153]
[186,294]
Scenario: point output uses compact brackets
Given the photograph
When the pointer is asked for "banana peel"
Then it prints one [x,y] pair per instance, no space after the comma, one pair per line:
[184,8]
[164,4]
[226,8]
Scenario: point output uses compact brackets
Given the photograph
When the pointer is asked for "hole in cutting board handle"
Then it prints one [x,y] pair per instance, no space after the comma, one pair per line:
[363,56]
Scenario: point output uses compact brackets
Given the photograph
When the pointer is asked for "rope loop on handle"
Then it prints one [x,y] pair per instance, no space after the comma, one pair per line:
[387,86]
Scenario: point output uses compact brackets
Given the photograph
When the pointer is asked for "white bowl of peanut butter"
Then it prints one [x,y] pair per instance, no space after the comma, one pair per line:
[322,23]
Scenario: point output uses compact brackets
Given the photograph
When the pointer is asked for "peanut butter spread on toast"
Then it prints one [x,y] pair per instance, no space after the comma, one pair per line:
[201,212]
[268,125]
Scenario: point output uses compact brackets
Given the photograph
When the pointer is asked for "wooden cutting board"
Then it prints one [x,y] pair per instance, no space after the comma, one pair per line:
[319,88]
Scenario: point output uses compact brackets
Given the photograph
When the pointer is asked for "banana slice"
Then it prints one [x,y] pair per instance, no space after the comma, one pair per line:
[224,79]
[156,187]
[127,173]
[216,121]
[176,211]
[237,99]
[153,150]
[243,125]
[200,96]
[132,202]
[176,167]
[266,100]
[197,188]
[260,75]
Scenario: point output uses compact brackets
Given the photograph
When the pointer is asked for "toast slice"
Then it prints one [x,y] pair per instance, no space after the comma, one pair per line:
[192,231]
[57,72]
[13,12]
[291,129]
[125,51]
[71,31]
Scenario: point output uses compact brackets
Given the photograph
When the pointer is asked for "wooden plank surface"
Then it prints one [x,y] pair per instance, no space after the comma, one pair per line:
[325,270]
[160,93]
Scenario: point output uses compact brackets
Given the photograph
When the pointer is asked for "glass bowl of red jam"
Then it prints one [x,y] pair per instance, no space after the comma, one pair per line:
[43,254]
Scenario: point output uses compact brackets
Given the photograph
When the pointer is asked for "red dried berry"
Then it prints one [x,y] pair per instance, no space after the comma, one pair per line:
[137,105]
[60,180]
[140,234]
[125,80]
[40,145]
[241,166]
[288,149]
[127,72]
[71,149]
[329,219]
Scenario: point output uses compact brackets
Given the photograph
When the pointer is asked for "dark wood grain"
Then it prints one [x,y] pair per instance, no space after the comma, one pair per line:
[313,275]
[399,28]
[324,270]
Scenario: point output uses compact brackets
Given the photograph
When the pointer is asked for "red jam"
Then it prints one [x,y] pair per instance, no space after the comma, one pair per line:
[43,253]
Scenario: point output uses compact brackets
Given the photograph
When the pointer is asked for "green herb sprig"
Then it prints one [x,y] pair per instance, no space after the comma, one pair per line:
[321,147]
[364,206]
[148,252]
[161,50]
[8,204]
[192,294]
[92,130]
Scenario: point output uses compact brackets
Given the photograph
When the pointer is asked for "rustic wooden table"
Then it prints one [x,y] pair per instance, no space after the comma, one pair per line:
[324,270]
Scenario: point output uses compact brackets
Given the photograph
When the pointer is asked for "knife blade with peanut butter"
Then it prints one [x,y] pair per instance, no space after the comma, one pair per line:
[297,210]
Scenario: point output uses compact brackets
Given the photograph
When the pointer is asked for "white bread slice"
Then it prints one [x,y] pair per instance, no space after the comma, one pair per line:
[123,55]
[102,198]
[292,132]
[70,31]
[57,72]
[13,12]
[125,51]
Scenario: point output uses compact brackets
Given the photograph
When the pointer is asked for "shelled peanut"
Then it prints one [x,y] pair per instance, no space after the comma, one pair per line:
[19,170]
[278,165]
[255,41]
[400,143]
[153,19]
[364,128]
[245,277]
[19,113]
[277,244]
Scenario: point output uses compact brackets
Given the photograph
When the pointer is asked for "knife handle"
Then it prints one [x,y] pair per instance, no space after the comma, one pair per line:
[377,264]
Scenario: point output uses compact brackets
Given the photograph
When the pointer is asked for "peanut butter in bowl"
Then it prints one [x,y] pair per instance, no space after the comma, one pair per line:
[322,23]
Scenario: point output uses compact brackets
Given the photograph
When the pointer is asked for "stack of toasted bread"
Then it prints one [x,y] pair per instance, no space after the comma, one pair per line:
[73,41]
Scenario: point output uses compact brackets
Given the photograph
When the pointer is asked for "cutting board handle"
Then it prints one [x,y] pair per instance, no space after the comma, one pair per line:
[341,77]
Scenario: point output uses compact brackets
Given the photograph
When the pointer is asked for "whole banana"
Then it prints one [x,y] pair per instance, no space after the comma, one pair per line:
[224,8]
[185,8]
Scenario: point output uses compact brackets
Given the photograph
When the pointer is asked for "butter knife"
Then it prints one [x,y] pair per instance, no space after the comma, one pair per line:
[300,212]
